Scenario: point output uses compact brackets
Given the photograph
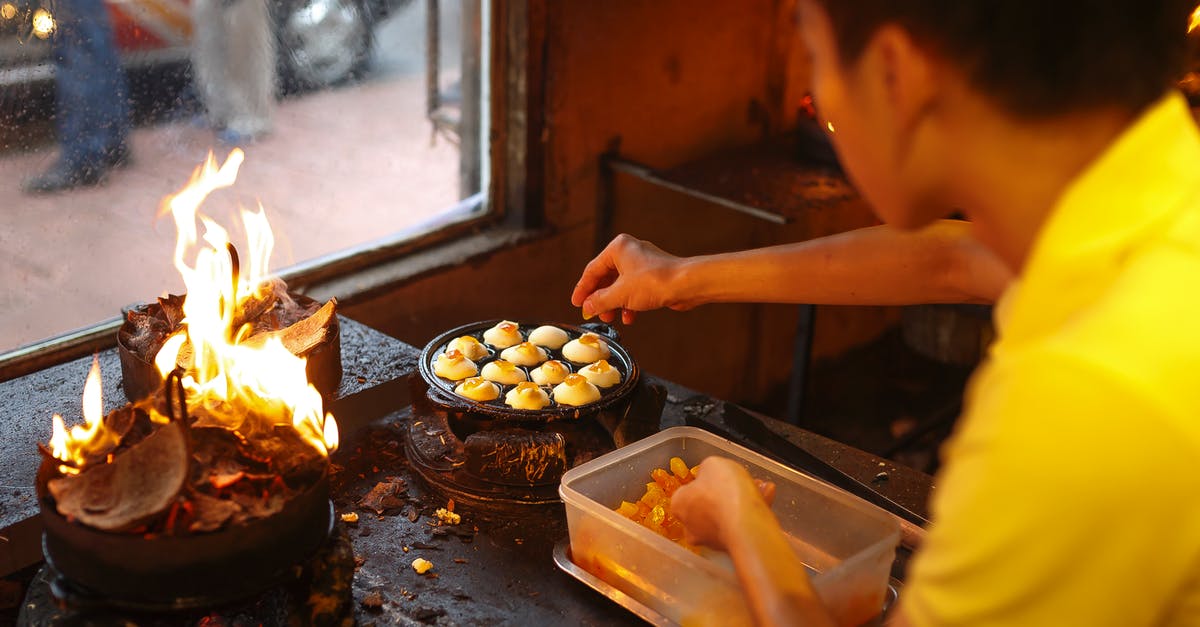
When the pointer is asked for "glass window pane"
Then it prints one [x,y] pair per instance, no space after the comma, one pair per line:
[352,133]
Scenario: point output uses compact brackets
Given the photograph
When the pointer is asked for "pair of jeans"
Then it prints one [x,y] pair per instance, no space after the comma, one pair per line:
[91,95]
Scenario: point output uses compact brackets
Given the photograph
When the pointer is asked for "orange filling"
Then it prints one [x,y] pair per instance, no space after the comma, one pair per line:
[653,509]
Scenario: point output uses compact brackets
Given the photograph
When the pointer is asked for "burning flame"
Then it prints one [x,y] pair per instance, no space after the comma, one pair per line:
[1194,22]
[228,377]
[247,387]
[76,445]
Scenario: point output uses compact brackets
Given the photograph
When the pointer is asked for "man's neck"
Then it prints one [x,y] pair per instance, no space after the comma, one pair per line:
[1009,175]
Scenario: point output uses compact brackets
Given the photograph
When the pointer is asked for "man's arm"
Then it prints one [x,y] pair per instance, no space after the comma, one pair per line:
[878,265]
[724,509]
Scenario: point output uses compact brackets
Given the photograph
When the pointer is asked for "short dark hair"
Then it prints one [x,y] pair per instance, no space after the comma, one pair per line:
[1038,58]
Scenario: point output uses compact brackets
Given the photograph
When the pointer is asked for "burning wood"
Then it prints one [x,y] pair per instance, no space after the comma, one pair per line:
[252,432]
[137,486]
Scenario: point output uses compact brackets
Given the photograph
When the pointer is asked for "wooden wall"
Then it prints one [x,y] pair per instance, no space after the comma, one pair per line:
[670,81]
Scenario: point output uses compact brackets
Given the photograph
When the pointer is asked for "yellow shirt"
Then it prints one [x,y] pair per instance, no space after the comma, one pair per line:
[1070,493]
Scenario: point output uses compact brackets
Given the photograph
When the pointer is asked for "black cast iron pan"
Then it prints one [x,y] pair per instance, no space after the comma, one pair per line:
[441,390]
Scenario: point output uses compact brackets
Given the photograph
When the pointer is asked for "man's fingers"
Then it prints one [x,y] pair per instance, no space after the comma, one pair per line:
[604,301]
[628,316]
[599,271]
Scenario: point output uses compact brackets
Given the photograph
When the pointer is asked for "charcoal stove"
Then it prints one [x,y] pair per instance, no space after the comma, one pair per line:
[111,539]
[486,455]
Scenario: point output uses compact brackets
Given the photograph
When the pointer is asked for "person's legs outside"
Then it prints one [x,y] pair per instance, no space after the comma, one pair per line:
[91,99]
[251,87]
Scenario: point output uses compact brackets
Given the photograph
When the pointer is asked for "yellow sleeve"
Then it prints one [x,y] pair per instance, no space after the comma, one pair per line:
[1068,497]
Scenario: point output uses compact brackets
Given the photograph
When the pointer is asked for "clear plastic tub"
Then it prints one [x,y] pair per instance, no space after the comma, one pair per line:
[847,543]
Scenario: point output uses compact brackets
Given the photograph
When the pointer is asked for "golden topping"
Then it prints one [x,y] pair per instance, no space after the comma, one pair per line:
[468,346]
[576,390]
[550,372]
[503,335]
[451,365]
[590,339]
[527,395]
[525,387]
[504,372]
[477,389]
[601,374]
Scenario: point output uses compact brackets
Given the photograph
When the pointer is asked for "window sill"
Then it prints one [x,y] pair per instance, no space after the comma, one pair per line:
[351,276]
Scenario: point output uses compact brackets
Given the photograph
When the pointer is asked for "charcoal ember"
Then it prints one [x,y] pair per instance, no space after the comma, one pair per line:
[172,310]
[516,456]
[221,473]
[286,453]
[138,485]
[209,513]
[386,496]
[255,506]
[213,446]
[145,330]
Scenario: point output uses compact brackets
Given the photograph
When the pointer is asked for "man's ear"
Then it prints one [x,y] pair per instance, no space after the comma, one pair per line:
[905,76]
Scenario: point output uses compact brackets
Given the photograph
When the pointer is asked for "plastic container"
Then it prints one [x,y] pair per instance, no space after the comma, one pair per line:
[847,543]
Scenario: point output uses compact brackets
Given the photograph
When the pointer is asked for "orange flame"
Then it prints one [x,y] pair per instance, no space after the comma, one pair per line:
[81,441]
[239,386]
[1194,22]
[244,387]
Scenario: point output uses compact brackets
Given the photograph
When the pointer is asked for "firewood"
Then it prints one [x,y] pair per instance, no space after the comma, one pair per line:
[303,336]
[138,485]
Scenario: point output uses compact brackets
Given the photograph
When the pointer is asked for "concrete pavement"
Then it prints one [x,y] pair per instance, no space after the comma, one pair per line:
[342,167]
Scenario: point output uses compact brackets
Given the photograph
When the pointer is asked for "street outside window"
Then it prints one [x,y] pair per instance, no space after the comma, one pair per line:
[350,114]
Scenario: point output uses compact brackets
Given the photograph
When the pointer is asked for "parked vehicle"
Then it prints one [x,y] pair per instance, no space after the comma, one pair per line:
[321,42]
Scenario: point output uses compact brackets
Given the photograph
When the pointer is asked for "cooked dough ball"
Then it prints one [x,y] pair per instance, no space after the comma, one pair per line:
[452,365]
[503,372]
[549,336]
[470,347]
[527,395]
[503,335]
[587,349]
[550,373]
[576,390]
[478,389]
[601,374]
[524,354]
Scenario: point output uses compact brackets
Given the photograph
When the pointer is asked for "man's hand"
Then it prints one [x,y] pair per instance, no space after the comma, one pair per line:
[628,276]
[710,506]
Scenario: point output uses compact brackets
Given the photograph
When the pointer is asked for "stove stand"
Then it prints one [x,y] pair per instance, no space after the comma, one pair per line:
[508,465]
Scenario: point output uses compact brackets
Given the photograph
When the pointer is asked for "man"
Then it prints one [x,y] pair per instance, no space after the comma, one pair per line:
[91,105]
[1067,494]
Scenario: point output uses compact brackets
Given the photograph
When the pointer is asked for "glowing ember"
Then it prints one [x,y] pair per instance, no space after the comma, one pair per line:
[249,387]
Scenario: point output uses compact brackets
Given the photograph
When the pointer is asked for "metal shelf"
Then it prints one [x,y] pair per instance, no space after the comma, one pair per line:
[776,180]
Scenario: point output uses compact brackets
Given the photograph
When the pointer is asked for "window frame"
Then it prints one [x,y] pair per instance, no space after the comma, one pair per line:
[512,80]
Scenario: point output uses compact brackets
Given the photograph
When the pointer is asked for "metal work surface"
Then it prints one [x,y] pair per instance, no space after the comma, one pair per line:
[489,568]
